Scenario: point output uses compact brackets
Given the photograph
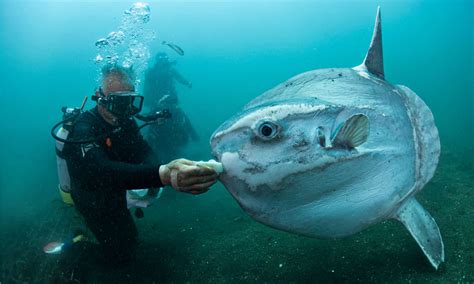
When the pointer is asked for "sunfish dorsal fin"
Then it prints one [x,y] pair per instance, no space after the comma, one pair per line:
[352,133]
[373,61]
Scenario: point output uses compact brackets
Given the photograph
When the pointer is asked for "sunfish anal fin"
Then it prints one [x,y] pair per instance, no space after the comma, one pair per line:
[352,133]
[423,229]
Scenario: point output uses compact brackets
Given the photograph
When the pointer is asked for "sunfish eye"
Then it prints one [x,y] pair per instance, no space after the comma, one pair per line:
[267,130]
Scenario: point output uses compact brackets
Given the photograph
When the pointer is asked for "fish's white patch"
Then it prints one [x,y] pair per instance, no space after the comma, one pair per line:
[363,72]
[272,175]
[360,69]
[274,113]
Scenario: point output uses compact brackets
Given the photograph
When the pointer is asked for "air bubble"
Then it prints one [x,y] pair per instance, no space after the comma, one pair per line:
[139,12]
[101,42]
[116,38]
[128,43]
[98,58]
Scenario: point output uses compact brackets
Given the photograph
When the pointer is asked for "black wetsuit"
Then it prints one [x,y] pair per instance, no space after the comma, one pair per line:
[101,172]
[169,138]
[159,81]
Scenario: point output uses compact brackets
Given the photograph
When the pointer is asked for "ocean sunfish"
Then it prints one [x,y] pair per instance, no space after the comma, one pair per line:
[331,152]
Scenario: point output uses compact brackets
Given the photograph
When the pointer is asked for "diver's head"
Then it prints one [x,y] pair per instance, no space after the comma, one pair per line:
[116,78]
[162,57]
[162,60]
[116,98]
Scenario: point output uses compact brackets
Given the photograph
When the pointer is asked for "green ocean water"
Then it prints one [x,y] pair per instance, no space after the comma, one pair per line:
[234,50]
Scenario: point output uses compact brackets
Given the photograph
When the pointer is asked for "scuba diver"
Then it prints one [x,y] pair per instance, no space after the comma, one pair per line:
[159,82]
[167,138]
[106,155]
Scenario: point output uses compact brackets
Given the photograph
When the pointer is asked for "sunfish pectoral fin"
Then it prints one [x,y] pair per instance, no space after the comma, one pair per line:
[424,230]
[352,133]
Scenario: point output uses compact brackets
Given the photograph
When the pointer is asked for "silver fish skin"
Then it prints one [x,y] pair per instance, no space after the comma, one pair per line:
[290,166]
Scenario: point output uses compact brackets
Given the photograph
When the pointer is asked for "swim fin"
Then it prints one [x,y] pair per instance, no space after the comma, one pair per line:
[58,247]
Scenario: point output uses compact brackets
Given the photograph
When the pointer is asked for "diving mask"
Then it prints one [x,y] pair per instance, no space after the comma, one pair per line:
[121,104]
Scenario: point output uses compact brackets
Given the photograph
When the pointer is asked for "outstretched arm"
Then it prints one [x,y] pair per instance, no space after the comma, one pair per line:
[92,164]
[178,77]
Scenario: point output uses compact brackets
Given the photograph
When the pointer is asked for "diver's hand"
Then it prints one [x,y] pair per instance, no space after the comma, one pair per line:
[164,98]
[185,176]
[160,121]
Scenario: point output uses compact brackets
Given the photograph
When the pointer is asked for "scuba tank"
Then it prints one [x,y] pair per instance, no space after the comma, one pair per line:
[69,116]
